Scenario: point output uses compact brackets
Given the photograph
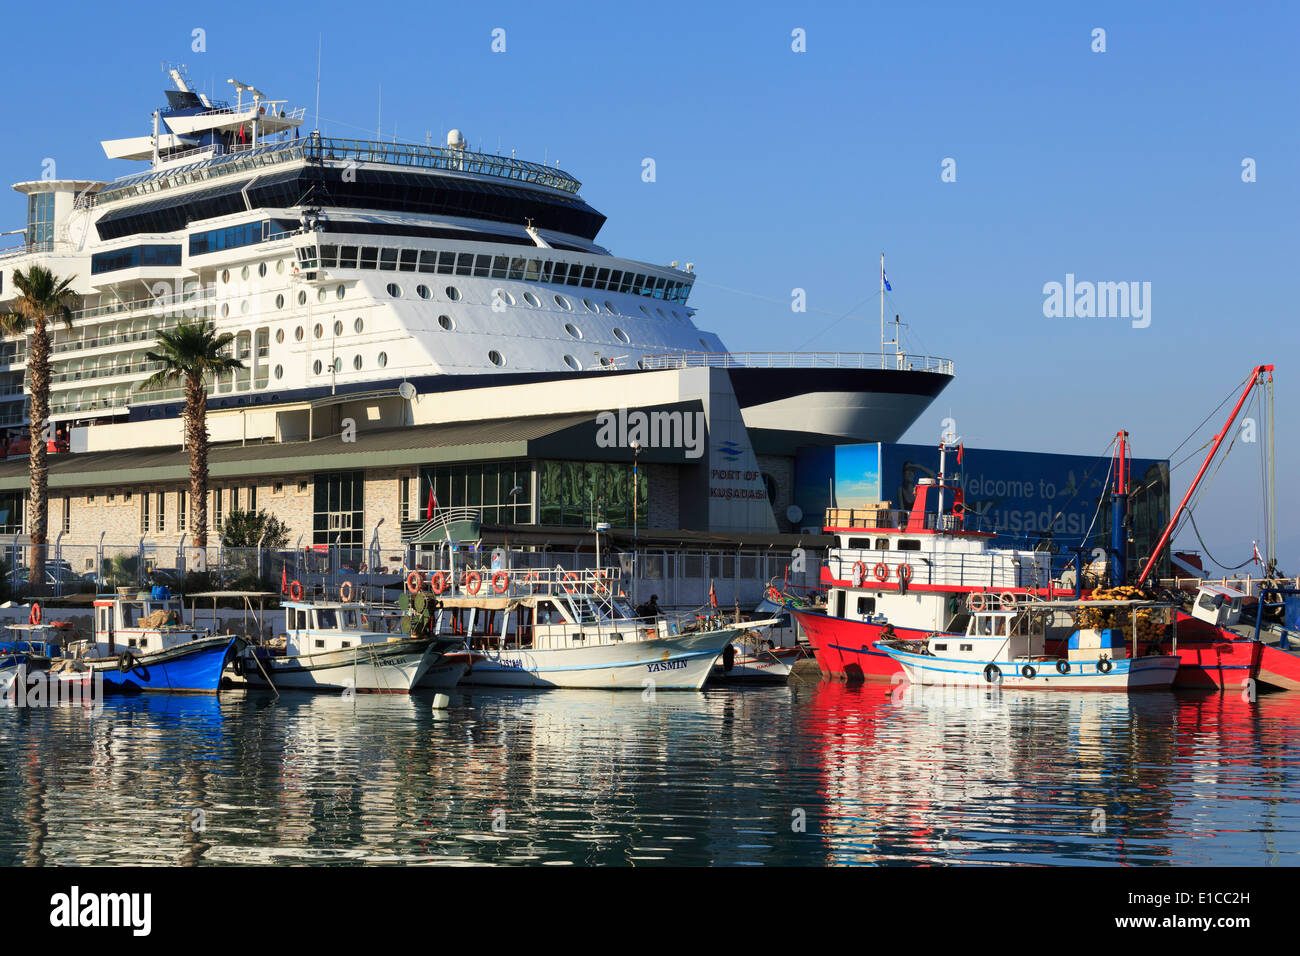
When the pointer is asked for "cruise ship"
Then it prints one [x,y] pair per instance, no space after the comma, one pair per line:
[347,266]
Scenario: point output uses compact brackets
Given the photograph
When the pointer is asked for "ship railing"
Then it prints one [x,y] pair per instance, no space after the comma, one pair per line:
[476,580]
[813,360]
[991,571]
[893,519]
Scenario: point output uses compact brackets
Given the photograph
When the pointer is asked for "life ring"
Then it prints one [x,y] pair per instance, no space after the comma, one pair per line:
[438,583]
[35,616]
[993,674]
[124,662]
[500,582]
[414,582]
[295,590]
[905,572]
[1063,667]
[570,576]
[1104,665]
[1028,672]
[473,581]
[881,571]
[345,592]
[975,602]
[859,572]
[601,576]
[1008,601]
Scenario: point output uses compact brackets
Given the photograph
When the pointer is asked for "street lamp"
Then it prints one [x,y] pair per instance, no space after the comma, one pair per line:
[636,454]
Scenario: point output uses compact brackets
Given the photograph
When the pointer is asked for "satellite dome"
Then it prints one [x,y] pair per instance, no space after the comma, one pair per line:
[455,139]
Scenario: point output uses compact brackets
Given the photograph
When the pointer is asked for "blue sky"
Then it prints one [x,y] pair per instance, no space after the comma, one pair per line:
[778,170]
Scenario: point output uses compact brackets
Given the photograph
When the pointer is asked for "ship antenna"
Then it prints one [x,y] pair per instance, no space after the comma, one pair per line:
[318,48]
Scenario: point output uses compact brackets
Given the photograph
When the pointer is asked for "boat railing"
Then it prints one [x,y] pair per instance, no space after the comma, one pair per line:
[487,582]
[894,519]
[897,361]
[985,570]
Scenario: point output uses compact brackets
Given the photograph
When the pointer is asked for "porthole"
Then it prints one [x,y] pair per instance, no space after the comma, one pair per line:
[609,307]
[563,303]
[321,295]
[337,365]
[261,270]
[356,362]
[704,344]
[302,297]
[496,358]
[383,359]
[243,307]
[297,334]
[453,293]
[243,273]
[606,361]
[341,291]
[279,371]
[677,315]
[446,322]
[394,290]
[422,291]
[573,330]
[318,331]
[573,363]
[316,367]
[358,325]
[338,326]
[532,300]
[225,309]
[640,363]
[621,336]
[279,336]
[589,307]
[661,313]
[505,296]
[645,310]
[279,267]
[225,276]
[279,301]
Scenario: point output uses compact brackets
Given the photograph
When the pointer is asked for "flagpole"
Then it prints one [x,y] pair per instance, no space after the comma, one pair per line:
[882,310]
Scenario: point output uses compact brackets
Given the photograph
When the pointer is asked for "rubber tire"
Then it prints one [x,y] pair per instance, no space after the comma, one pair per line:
[993,674]
[1028,672]
[1063,667]
[1104,666]
[124,665]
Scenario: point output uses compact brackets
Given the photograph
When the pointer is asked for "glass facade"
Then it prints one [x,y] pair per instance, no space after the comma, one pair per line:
[40,220]
[135,257]
[339,513]
[482,485]
[232,237]
[11,512]
[582,493]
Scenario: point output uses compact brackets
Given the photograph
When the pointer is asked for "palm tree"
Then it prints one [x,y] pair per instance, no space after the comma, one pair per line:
[190,353]
[44,296]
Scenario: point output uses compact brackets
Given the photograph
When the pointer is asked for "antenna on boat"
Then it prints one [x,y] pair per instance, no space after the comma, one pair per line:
[318,49]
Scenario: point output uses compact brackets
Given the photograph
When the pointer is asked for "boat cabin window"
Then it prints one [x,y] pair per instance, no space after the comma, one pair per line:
[349,618]
[866,605]
[327,619]
[909,544]
[859,544]
[1210,602]
[549,613]
[991,626]
[131,613]
[882,544]
[292,621]
[941,647]
[968,647]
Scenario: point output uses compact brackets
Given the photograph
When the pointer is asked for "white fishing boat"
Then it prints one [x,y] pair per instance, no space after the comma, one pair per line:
[339,645]
[764,652]
[1006,647]
[558,628]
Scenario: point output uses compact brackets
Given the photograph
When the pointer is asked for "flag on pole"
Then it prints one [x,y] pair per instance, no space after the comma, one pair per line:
[960,451]
[1257,559]
[433,503]
[284,580]
[713,593]
[884,279]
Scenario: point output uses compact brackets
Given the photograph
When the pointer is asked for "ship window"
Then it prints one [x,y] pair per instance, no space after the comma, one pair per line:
[588,306]
[358,325]
[316,367]
[422,291]
[532,300]
[504,296]
[321,294]
[337,365]
[967,647]
[394,290]
[483,266]
[941,647]
[563,303]
[279,371]
[496,358]
[369,257]
[882,544]
[609,307]
[225,309]
[446,263]
[408,260]
[261,270]
[533,270]
[383,359]
[356,362]
[909,544]
[297,334]
[646,311]
[464,264]
[302,297]
[243,307]
[499,266]
[388,260]
[588,276]
[340,291]
[621,336]
[225,276]
[572,362]
[453,293]
[516,268]
[348,257]
[428,261]
[572,330]
[329,255]
[446,322]
[279,301]
[318,331]
[338,327]
[279,267]
[602,278]
[866,605]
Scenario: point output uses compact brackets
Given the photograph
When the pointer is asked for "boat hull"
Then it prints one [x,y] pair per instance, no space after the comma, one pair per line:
[846,650]
[771,665]
[394,667]
[191,668]
[1143,673]
[679,662]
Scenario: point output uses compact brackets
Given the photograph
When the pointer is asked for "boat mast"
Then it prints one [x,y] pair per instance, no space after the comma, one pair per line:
[1120,490]
[1255,377]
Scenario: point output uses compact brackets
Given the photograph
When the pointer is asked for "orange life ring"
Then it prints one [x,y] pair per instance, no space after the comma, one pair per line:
[882,571]
[35,616]
[1008,601]
[975,602]
[295,590]
[473,581]
[414,582]
[570,576]
[500,582]
[905,572]
[438,583]
[345,592]
[859,572]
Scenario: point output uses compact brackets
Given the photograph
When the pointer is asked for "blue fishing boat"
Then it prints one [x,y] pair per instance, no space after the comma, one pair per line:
[144,644]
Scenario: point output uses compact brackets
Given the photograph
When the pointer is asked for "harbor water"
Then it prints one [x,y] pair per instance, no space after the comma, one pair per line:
[810,774]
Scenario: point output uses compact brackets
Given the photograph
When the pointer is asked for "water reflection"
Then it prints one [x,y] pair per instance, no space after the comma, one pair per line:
[801,775]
